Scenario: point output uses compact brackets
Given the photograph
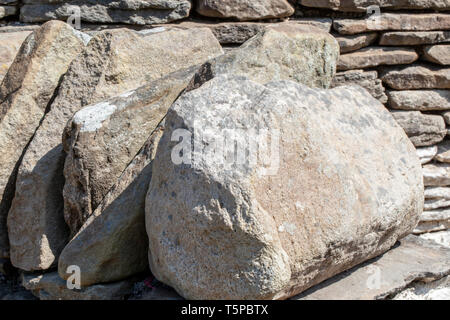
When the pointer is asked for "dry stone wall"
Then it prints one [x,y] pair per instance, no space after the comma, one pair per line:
[399,51]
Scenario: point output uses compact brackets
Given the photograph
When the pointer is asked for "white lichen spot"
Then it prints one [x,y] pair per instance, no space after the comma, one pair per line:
[84,37]
[299,206]
[90,118]
[150,31]
[288,227]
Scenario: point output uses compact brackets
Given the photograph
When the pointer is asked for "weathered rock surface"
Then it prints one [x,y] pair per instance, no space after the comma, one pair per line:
[416,77]
[414,38]
[113,243]
[425,290]
[446,116]
[356,42]
[376,56]
[283,52]
[128,11]
[419,100]
[426,154]
[439,54]
[227,230]
[50,286]
[414,259]
[441,237]
[443,154]
[395,22]
[422,129]
[9,46]
[366,79]
[114,61]
[433,221]
[436,175]
[245,10]
[24,95]
[6,11]
[362,5]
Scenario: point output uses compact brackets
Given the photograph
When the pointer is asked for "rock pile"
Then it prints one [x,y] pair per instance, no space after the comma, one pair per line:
[91,121]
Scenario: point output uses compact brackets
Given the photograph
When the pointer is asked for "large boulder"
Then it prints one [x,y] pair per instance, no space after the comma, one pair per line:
[25,94]
[286,51]
[110,11]
[336,182]
[115,61]
[245,10]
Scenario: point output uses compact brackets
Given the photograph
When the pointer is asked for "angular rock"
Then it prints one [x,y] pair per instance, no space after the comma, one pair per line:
[437,197]
[9,46]
[443,154]
[426,154]
[356,42]
[446,116]
[113,244]
[419,100]
[50,286]
[439,54]
[24,95]
[283,52]
[442,237]
[114,61]
[128,11]
[224,229]
[6,11]
[416,77]
[422,129]
[362,5]
[366,79]
[414,38]
[436,175]
[425,290]
[244,10]
[395,22]
[376,56]
[414,259]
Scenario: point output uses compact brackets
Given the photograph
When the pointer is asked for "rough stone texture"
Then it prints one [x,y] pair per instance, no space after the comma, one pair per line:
[50,286]
[412,260]
[6,11]
[24,95]
[443,154]
[416,77]
[395,22]
[284,52]
[228,231]
[433,220]
[366,79]
[414,38]
[426,154]
[9,46]
[422,129]
[245,10]
[423,290]
[439,54]
[128,11]
[113,244]
[114,61]
[446,116]
[436,175]
[362,5]
[441,237]
[355,42]
[419,100]
[376,56]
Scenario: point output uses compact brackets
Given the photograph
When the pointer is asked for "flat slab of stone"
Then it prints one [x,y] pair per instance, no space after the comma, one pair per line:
[426,154]
[50,286]
[422,129]
[366,79]
[411,260]
[436,175]
[441,237]
[422,290]
[421,76]
[414,38]
[129,12]
[376,56]
[419,100]
[245,10]
[433,220]
[355,42]
[439,54]
[361,5]
[394,22]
